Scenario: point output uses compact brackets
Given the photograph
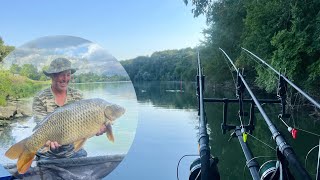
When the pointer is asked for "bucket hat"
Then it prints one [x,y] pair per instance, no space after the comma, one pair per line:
[59,65]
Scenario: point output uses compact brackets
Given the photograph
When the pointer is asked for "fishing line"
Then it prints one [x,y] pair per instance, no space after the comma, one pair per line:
[250,56]
[315,103]
[295,107]
[315,134]
[261,141]
[244,167]
[230,70]
[309,132]
[240,115]
[260,63]
[293,118]
[296,97]
[305,160]
[235,84]
[198,174]
[180,161]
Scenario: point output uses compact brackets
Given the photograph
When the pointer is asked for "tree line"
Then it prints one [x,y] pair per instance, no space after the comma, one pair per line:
[29,71]
[92,77]
[168,65]
[285,33]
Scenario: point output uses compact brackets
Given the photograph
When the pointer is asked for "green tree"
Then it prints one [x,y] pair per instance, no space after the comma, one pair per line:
[286,34]
[15,69]
[29,71]
[5,86]
[4,50]
[200,6]
[168,65]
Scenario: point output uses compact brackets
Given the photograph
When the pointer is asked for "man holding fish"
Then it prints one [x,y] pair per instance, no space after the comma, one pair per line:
[64,120]
[59,94]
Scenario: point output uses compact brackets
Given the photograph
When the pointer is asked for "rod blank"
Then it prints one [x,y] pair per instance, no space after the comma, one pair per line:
[285,149]
[203,135]
[291,83]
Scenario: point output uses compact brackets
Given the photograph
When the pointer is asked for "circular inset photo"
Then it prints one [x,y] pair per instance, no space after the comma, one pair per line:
[68,107]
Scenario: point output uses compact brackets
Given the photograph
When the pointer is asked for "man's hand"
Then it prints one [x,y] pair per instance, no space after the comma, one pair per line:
[53,145]
[102,130]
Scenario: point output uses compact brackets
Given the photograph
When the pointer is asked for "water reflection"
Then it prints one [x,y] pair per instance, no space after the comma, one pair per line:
[167,130]
[180,95]
[232,160]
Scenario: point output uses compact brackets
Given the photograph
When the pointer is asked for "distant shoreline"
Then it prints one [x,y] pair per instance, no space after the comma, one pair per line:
[100,82]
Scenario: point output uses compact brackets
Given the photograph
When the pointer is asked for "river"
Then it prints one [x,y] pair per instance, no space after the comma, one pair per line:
[167,131]
[163,122]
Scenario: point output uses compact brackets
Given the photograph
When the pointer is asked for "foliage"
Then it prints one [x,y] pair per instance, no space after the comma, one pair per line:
[91,77]
[201,6]
[5,87]
[286,34]
[16,86]
[169,65]
[4,50]
[28,70]
[15,69]
[225,29]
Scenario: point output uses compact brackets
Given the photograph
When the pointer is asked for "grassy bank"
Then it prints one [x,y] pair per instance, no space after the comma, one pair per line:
[16,86]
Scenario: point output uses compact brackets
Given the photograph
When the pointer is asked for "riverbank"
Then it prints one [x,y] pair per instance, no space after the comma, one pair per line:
[14,109]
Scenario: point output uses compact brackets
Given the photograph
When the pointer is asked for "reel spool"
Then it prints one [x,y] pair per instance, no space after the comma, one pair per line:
[195,169]
[267,169]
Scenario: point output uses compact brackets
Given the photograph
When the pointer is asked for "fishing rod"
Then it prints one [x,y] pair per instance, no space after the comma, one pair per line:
[206,166]
[281,77]
[291,83]
[284,148]
[203,135]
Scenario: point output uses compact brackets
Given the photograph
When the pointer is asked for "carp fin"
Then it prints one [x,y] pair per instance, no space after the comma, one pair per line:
[109,132]
[78,144]
[16,150]
[110,136]
[25,161]
[25,157]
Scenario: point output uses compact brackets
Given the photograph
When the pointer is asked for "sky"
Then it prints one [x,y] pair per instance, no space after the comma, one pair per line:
[126,29]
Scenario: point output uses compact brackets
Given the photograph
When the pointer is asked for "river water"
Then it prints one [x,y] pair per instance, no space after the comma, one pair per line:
[163,123]
[124,128]
[168,125]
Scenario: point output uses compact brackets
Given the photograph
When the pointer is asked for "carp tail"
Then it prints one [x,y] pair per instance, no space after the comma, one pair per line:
[16,150]
[24,156]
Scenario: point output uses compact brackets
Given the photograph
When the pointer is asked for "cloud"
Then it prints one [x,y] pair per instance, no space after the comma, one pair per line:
[97,53]
[85,56]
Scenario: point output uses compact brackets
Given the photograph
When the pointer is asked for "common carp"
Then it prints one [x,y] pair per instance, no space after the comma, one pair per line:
[70,124]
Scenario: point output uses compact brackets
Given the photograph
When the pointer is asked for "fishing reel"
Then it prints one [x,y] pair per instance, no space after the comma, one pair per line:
[267,169]
[195,169]
[276,169]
